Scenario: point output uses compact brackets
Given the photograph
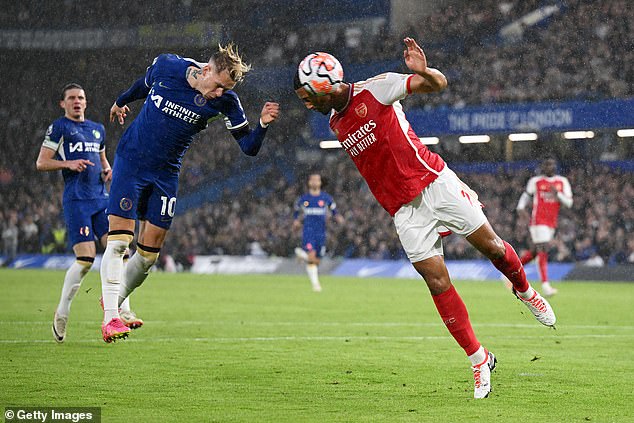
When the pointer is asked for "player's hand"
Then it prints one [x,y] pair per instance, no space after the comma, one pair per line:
[106,175]
[523,214]
[78,165]
[554,190]
[119,113]
[296,225]
[270,112]
[414,56]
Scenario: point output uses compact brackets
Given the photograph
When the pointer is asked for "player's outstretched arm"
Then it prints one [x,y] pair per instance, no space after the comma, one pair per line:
[46,161]
[250,141]
[426,80]
[119,110]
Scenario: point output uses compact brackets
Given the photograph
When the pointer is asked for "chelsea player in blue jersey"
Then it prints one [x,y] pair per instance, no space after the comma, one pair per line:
[77,147]
[181,97]
[314,205]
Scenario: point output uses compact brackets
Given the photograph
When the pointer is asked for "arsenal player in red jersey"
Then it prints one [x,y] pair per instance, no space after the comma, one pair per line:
[421,193]
[549,192]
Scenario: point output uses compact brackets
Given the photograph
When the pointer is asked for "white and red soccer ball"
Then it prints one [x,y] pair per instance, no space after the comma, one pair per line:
[320,73]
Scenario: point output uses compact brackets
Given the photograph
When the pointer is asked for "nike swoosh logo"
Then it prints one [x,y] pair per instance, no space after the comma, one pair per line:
[163,86]
[372,270]
[73,132]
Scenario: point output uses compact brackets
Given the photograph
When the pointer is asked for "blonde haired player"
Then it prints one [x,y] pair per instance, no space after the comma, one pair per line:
[181,96]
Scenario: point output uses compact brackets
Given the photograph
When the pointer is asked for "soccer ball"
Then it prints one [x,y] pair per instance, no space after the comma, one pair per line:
[320,73]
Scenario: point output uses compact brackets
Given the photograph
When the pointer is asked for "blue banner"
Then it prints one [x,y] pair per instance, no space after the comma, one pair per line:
[508,118]
[458,269]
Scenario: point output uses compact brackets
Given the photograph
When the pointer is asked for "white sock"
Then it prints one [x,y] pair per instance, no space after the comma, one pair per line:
[478,357]
[528,294]
[313,275]
[136,271]
[125,304]
[111,275]
[301,254]
[72,280]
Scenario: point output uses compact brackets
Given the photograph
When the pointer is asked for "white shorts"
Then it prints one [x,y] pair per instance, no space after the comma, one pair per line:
[445,202]
[541,234]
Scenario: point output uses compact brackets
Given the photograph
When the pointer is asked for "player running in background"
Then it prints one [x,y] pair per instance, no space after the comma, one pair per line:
[181,97]
[419,191]
[549,192]
[77,147]
[314,205]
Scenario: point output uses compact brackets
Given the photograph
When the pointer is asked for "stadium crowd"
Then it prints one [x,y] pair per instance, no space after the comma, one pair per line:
[547,63]
[597,228]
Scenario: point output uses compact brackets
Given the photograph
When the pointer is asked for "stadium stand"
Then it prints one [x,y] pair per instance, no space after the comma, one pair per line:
[588,62]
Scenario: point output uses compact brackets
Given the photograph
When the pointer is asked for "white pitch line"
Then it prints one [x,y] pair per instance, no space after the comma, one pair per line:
[302,338]
[326,324]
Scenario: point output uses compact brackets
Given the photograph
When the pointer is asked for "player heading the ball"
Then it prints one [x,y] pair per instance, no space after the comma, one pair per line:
[416,188]
[181,96]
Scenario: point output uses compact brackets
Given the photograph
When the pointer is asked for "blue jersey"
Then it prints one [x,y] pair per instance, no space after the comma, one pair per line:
[315,210]
[172,114]
[73,140]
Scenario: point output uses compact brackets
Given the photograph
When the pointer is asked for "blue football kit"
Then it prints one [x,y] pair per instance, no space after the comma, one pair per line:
[315,210]
[85,197]
[150,152]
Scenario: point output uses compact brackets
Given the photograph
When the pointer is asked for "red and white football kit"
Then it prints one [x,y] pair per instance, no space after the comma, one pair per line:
[546,204]
[411,182]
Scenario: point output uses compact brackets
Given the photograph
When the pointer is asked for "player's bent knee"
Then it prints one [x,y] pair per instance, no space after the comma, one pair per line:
[438,285]
[86,263]
[494,249]
[148,255]
[119,240]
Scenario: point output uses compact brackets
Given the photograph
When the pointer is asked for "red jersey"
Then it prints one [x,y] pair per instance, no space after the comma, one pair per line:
[376,135]
[546,205]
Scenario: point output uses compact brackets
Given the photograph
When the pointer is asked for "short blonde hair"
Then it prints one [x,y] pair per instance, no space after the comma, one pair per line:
[227,58]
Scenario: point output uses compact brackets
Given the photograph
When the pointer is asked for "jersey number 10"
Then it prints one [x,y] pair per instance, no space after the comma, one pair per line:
[168,206]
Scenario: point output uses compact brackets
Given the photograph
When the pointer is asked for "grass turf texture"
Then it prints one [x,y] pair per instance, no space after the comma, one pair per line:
[267,349]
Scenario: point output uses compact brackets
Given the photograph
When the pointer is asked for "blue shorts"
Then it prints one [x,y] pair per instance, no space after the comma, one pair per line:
[316,244]
[85,219]
[144,194]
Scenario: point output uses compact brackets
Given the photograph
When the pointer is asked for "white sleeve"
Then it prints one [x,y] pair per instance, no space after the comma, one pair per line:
[53,137]
[565,197]
[525,198]
[531,186]
[387,88]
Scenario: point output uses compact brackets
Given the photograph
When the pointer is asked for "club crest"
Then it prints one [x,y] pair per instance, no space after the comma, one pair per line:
[199,100]
[361,110]
[125,204]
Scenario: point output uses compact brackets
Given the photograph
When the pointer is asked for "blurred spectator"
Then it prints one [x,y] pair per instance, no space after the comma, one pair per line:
[10,236]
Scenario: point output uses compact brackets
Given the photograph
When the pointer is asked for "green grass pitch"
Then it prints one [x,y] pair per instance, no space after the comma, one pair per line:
[267,349]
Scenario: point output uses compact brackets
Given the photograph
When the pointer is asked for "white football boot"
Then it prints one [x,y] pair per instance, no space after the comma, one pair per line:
[540,308]
[482,376]
[59,327]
